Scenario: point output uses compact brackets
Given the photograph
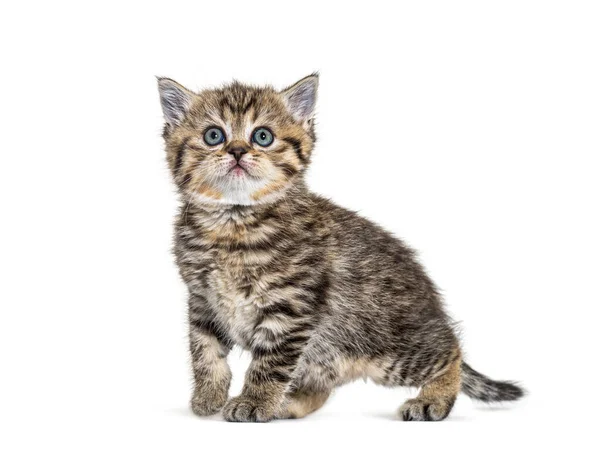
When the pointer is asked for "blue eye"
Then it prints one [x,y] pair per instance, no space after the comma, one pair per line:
[262,137]
[213,136]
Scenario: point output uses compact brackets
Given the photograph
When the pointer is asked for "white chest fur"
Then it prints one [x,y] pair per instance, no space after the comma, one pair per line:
[234,309]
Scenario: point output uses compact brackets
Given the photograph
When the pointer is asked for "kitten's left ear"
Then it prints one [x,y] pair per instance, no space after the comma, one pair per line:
[175,100]
[301,98]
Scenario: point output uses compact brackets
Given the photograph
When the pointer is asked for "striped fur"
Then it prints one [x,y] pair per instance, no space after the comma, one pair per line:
[319,295]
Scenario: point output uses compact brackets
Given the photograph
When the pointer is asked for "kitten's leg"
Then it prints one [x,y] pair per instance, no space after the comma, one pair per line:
[276,348]
[303,402]
[209,351]
[437,396]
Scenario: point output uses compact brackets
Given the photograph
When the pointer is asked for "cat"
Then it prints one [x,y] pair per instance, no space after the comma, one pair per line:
[319,295]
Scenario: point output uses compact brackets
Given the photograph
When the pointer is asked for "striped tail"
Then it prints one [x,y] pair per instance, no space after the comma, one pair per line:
[482,388]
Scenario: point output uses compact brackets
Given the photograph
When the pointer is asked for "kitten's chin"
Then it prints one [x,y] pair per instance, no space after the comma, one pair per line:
[238,172]
[248,194]
[235,199]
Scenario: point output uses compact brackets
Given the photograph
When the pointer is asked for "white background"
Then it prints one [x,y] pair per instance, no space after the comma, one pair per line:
[470,129]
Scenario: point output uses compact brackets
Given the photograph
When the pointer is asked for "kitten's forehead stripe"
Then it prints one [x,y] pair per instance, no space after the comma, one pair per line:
[249,105]
[226,105]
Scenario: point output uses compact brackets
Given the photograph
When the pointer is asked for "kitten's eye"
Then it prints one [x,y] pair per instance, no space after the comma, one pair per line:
[262,136]
[214,136]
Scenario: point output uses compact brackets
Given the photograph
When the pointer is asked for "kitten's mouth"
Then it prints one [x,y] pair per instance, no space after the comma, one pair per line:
[237,170]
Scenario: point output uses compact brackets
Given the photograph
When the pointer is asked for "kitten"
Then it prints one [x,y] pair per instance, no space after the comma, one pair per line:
[319,295]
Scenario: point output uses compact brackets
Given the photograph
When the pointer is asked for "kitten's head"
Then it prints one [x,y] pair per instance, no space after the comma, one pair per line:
[238,144]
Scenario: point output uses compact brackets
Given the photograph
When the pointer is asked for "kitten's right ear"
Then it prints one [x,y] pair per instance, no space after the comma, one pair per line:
[175,100]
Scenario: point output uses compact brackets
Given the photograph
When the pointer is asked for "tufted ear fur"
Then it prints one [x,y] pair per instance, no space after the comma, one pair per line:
[175,100]
[301,98]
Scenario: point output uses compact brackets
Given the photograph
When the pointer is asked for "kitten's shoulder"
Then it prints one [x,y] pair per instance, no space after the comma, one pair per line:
[358,239]
[349,222]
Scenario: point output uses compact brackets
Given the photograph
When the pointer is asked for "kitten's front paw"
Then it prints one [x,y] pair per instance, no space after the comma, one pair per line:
[245,409]
[208,400]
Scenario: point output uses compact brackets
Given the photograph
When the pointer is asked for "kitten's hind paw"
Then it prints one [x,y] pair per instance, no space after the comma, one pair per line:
[422,409]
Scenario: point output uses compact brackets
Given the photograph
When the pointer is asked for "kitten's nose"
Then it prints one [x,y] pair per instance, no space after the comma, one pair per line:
[237,152]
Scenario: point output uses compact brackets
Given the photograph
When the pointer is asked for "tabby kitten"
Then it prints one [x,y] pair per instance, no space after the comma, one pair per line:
[319,295]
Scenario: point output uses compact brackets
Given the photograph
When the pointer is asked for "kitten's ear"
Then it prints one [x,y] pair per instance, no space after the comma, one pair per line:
[175,100]
[301,97]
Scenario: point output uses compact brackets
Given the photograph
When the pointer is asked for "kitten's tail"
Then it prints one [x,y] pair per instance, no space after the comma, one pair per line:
[482,388]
